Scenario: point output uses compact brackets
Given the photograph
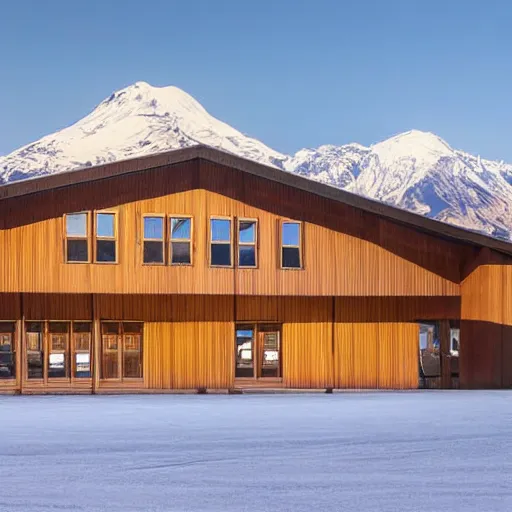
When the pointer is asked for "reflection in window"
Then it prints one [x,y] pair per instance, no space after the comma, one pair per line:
[291,256]
[110,364]
[34,350]
[105,238]
[220,242]
[121,350]
[58,348]
[181,240]
[82,349]
[77,245]
[247,243]
[153,240]
[454,341]
[7,351]
[132,350]
[244,352]
[430,350]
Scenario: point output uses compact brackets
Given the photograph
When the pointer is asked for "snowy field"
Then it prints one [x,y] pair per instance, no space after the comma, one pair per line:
[424,451]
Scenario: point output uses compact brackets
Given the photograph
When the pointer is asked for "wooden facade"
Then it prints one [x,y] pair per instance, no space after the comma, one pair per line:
[349,317]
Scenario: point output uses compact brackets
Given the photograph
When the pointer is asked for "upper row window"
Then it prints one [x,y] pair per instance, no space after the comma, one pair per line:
[177,237]
[169,239]
[77,244]
[221,243]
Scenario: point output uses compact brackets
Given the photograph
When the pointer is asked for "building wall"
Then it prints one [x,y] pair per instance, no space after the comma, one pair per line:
[346,251]
[486,328]
[376,339]
[189,340]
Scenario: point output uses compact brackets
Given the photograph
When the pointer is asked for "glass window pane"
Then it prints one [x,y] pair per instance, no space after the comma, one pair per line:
[247,232]
[105,224]
[180,253]
[82,327]
[132,327]
[154,227]
[58,327]
[132,364]
[7,352]
[110,328]
[110,357]
[58,357]
[221,254]
[77,250]
[106,251]
[153,252]
[290,233]
[220,230]
[291,257]
[34,350]
[247,256]
[180,228]
[244,353]
[76,224]
[430,345]
[83,364]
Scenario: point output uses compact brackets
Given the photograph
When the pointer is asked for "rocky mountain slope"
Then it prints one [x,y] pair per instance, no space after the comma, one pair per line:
[415,170]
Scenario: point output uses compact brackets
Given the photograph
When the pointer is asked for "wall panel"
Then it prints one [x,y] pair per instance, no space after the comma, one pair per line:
[376,340]
[48,306]
[486,315]
[10,306]
[188,340]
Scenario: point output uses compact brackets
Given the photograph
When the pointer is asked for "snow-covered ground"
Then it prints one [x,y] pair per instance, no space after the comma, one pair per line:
[414,452]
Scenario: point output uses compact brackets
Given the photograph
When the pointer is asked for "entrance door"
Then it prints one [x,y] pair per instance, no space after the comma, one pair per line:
[269,361]
[258,352]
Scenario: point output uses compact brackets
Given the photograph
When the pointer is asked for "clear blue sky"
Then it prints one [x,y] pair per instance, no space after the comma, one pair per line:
[289,72]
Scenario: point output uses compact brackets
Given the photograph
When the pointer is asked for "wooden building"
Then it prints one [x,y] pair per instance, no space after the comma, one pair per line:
[198,270]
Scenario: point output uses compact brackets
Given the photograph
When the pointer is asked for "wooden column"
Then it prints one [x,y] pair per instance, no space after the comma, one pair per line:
[96,338]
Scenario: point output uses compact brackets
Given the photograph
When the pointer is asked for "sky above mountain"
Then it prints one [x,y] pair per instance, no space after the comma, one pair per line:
[291,73]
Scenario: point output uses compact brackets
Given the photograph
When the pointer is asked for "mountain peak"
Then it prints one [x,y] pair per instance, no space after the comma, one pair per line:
[423,147]
[414,170]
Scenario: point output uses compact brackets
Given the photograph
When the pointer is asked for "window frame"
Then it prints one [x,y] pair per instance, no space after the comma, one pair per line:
[162,216]
[120,352]
[259,328]
[300,247]
[87,237]
[254,244]
[171,240]
[26,377]
[114,238]
[211,242]
[71,378]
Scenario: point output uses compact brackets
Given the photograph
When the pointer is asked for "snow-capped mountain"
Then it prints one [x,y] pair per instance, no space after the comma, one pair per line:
[415,170]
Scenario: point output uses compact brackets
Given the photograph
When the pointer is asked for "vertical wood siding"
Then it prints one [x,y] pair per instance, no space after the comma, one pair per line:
[188,340]
[486,332]
[346,251]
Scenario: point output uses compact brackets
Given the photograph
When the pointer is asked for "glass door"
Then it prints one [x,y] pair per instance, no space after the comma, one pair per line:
[244,352]
[258,352]
[269,354]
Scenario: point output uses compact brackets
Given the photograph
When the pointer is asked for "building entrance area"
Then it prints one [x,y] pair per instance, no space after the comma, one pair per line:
[258,351]
[439,354]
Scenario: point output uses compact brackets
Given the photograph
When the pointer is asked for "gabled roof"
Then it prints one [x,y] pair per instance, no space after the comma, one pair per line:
[118,168]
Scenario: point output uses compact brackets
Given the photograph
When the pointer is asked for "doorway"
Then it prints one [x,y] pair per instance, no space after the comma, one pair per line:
[258,351]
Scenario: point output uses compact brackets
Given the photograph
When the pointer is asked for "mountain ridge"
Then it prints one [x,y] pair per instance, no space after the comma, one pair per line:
[414,170]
